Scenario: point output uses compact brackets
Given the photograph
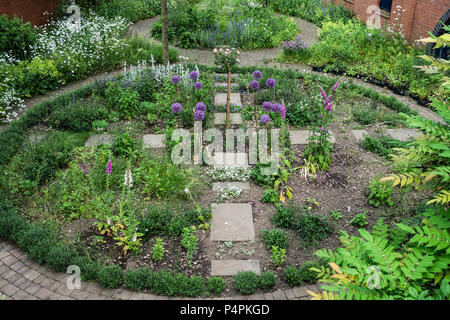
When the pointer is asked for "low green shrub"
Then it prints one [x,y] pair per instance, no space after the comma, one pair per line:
[88,269]
[246,282]
[59,258]
[125,145]
[267,280]
[311,228]
[382,145]
[283,218]
[138,279]
[380,193]
[359,220]
[301,276]
[110,276]
[274,237]
[216,285]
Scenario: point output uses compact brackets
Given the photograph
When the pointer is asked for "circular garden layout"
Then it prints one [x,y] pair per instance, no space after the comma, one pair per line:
[138,180]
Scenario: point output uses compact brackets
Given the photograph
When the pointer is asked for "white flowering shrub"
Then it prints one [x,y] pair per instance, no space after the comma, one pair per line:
[230,173]
[93,44]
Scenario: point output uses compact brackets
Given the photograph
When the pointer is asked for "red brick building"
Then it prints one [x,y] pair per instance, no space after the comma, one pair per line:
[413,17]
[35,11]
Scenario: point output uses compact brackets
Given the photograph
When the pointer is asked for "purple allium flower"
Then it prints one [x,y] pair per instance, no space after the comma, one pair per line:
[329,107]
[324,96]
[336,85]
[254,85]
[85,169]
[177,107]
[175,80]
[200,106]
[276,107]
[198,85]
[108,169]
[199,115]
[267,106]
[257,74]
[264,118]
[193,75]
[270,83]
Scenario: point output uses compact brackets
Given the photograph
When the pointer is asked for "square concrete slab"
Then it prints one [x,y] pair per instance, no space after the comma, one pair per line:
[239,159]
[232,222]
[403,134]
[220,118]
[221,99]
[301,136]
[154,141]
[217,186]
[231,267]
[359,134]
[99,139]
[225,85]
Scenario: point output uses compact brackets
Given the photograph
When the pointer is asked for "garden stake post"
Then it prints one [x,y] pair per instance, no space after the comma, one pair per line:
[228,99]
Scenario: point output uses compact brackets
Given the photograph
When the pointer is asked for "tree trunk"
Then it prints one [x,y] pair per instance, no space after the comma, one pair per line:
[165,32]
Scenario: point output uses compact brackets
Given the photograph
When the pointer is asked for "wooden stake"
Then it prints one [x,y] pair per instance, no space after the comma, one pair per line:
[228,99]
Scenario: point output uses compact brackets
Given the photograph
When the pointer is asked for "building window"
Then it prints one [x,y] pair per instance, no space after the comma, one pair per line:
[386,5]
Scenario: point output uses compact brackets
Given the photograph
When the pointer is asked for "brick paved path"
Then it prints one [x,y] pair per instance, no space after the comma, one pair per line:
[23,279]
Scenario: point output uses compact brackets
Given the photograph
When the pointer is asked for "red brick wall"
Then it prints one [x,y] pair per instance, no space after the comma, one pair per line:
[29,10]
[414,17]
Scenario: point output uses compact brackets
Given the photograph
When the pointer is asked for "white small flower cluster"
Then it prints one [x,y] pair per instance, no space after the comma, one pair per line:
[230,173]
[230,192]
[9,101]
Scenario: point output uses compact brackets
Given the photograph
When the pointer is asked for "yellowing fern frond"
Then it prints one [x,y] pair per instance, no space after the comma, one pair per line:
[443,197]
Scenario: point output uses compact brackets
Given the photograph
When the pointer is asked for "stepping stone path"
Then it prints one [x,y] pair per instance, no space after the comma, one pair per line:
[359,134]
[403,134]
[99,139]
[221,99]
[231,221]
[239,159]
[220,118]
[301,136]
[154,141]
[231,267]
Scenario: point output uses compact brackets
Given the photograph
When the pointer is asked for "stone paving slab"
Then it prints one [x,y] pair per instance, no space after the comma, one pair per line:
[231,159]
[301,136]
[154,141]
[232,222]
[217,186]
[359,134]
[231,267]
[221,118]
[224,84]
[99,139]
[221,99]
[403,134]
